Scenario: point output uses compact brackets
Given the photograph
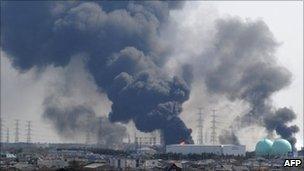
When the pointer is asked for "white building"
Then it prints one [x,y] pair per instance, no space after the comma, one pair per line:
[212,149]
[148,139]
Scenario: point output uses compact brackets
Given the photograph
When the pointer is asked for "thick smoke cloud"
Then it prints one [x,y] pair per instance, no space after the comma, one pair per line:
[124,56]
[241,66]
[70,105]
[71,121]
[228,137]
[278,122]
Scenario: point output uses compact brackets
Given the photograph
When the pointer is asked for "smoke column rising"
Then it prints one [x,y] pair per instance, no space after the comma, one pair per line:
[241,66]
[124,56]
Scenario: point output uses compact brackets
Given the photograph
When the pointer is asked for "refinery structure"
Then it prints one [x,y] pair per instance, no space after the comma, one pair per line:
[264,147]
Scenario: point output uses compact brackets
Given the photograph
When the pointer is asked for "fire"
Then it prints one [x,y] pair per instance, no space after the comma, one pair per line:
[182,142]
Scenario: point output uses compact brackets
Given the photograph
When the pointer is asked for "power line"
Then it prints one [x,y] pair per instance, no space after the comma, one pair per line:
[16,130]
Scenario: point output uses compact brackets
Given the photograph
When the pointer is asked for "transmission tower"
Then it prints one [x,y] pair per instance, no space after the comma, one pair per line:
[213,127]
[99,139]
[29,131]
[200,127]
[1,130]
[206,137]
[16,130]
[88,134]
[7,135]
[87,138]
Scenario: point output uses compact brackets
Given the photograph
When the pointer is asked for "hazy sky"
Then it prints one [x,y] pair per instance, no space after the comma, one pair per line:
[22,93]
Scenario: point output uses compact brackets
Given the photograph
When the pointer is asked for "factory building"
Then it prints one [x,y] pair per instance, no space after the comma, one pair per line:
[143,139]
[235,150]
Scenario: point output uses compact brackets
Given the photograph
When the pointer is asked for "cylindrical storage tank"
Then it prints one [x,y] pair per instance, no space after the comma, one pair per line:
[263,147]
[281,147]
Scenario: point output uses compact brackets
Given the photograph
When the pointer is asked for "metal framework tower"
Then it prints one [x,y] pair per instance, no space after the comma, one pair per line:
[99,139]
[213,127]
[206,137]
[29,131]
[7,135]
[200,127]
[16,130]
[88,134]
[162,138]
[87,138]
[1,138]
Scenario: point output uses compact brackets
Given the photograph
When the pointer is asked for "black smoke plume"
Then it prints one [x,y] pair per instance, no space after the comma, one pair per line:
[241,66]
[278,122]
[124,56]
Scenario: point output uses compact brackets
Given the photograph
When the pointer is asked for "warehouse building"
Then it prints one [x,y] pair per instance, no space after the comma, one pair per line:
[235,150]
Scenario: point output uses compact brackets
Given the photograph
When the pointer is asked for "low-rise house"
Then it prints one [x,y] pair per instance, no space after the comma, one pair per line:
[24,166]
[173,167]
[123,163]
[52,163]
[148,164]
[146,151]
[240,168]
[223,168]
[98,166]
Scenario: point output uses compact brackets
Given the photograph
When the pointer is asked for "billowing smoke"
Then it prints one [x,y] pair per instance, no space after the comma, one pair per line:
[228,137]
[142,93]
[124,56]
[81,120]
[241,66]
[278,121]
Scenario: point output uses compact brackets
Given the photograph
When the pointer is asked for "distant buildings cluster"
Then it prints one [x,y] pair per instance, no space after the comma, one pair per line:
[24,156]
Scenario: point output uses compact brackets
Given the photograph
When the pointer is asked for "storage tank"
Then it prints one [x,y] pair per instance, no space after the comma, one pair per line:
[281,147]
[263,147]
